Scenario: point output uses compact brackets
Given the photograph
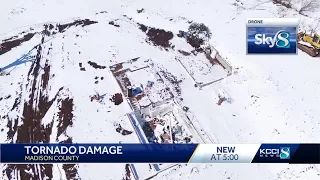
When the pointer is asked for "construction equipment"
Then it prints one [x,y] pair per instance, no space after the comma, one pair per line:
[309,44]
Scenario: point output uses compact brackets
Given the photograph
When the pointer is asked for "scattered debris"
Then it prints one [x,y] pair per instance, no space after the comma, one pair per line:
[95,65]
[140,10]
[71,171]
[221,100]
[114,24]
[128,172]
[95,97]
[182,34]
[184,53]
[133,60]
[185,108]
[254,98]
[117,99]
[173,80]
[82,69]
[102,12]
[122,131]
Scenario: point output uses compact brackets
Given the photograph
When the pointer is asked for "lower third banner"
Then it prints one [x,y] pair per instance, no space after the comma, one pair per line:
[160,153]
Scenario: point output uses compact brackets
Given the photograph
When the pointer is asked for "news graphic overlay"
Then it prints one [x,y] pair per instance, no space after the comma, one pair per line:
[288,153]
[160,153]
[96,153]
[224,153]
[272,35]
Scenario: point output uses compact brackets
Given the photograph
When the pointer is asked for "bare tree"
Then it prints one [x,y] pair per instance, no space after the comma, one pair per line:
[282,12]
[315,27]
[308,6]
[285,3]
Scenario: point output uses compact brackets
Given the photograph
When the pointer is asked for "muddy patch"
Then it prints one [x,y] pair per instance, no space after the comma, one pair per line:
[49,29]
[159,37]
[13,42]
[32,130]
[65,115]
[36,105]
[95,65]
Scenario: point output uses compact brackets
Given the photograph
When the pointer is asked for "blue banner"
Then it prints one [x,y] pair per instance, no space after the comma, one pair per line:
[96,153]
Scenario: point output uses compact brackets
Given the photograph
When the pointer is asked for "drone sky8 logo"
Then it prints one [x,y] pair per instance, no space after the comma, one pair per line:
[280,40]
[271,40]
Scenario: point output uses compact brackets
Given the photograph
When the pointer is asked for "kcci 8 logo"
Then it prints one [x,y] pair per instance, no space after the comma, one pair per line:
[281,39]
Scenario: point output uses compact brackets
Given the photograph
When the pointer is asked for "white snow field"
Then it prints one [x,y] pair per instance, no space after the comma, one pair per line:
[275,98]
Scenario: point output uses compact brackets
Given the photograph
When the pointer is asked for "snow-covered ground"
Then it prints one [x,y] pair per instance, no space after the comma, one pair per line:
[275,98]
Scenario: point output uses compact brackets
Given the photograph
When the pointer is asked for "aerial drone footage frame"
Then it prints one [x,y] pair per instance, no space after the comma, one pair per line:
[65,68]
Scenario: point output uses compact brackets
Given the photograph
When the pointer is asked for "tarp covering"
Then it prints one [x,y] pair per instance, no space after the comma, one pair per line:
[136,91]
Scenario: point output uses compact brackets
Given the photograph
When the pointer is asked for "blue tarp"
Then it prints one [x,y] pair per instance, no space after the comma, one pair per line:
[136,91]
[101,97]
[24,59]
[185,34]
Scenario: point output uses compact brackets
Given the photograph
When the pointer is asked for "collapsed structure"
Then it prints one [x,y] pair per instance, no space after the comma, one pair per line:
[156,118]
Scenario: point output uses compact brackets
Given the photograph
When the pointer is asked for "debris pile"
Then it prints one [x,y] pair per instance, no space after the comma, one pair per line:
[95,65]
[128,173]
[123,131]
[117,99]
[221,100]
